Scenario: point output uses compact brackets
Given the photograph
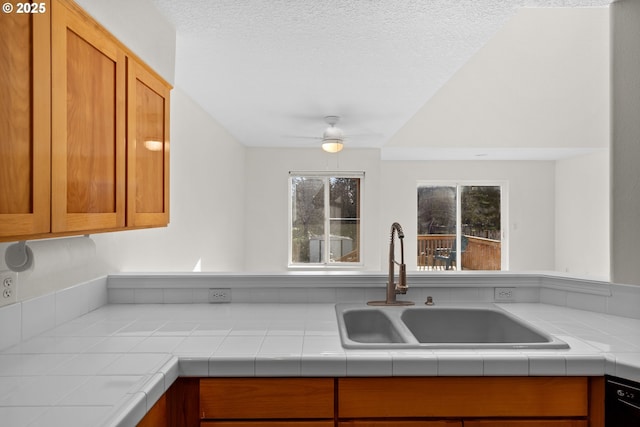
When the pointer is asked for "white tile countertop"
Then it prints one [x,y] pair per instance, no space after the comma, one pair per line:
[108,367]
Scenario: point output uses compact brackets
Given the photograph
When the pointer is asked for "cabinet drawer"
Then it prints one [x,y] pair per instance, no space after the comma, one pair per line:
[396,423]
[266,398]
[463,397]
[266,423]
[527,423]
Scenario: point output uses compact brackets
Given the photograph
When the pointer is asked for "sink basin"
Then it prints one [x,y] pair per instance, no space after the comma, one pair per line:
[370,326]
[474,326]
[469,326]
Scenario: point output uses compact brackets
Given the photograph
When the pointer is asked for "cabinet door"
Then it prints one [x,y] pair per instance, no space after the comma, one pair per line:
[157,416]
[24,124]
[267,424]
[416,423]
[88,128]
[148,148]
[526,423]
[266,398]
[479,397]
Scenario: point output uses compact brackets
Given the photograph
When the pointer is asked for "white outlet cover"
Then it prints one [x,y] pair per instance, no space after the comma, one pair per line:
[8,287]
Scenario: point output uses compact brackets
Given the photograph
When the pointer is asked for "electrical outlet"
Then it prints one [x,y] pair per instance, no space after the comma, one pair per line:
[8,280]
[220,295]
[504,294]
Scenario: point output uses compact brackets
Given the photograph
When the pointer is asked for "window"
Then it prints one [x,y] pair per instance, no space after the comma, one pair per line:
[460,226]
[325,218]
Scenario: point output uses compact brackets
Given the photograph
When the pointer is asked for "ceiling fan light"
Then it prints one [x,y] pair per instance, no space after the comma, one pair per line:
[332,145]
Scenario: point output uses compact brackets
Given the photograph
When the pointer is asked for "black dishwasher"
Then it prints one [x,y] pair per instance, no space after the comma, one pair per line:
[622,402]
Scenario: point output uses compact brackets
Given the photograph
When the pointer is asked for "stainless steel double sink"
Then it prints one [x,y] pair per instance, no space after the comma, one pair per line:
[477,326]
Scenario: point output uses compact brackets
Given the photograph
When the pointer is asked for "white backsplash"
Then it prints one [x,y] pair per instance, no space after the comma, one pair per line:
[26,319]
[584,294]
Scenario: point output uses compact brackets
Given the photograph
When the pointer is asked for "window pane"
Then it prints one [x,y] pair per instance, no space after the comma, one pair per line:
[345,235]
[480,219]
[436,210]
[325,219]
[307,228]
[344,195]
[436,226]
[478,247]
[344,211]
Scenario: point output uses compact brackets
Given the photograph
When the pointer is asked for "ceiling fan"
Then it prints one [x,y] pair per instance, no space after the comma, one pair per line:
[333,137]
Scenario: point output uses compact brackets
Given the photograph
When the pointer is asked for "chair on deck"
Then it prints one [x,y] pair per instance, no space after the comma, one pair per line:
[449,255]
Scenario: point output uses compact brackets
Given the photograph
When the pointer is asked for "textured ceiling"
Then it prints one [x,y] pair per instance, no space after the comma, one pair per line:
[270,70]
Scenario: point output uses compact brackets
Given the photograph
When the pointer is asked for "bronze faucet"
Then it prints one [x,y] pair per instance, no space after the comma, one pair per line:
[395,288]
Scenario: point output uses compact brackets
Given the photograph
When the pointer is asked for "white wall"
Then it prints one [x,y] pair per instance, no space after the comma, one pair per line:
[582,215]
[266,209]
[545,92]
[390,195]
[230,210]
[526,88]
[530,200]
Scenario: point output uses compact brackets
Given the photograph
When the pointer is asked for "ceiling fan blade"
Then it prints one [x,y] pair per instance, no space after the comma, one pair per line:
[317,138]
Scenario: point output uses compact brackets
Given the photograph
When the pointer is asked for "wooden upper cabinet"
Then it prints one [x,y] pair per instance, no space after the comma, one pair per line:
[84,129]
[148,148]
[88,127]
[24,125]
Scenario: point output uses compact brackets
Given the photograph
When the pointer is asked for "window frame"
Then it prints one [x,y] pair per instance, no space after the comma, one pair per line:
[504,212]
[326,176]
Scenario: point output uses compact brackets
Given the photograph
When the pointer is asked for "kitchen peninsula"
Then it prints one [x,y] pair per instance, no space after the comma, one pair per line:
[109,366]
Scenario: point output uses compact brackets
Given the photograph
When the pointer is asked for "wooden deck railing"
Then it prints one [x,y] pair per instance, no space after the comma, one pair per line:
[480,253]
[353,256]
[431,244]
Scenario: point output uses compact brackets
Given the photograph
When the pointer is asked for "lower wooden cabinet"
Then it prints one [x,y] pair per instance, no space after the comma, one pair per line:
[463,397]
[356,423]
[467,423]
[527,423]
[157,416]
[383,402]
[285,423]
[268,402]
[300,399]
